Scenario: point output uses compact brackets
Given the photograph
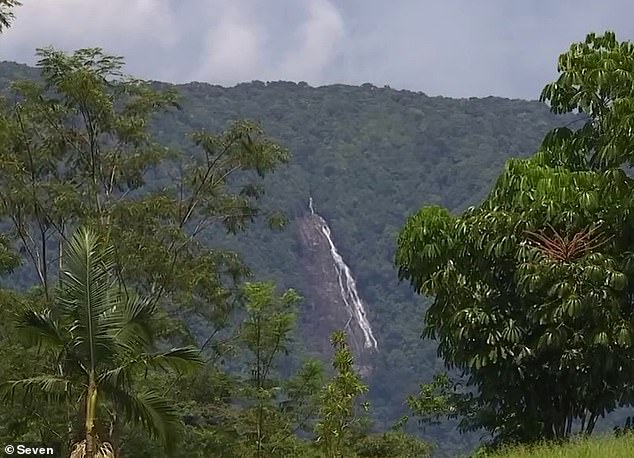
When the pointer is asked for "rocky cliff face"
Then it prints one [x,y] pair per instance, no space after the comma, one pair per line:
[333,301]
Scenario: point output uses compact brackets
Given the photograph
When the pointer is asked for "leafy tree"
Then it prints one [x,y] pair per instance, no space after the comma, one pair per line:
[99,340]
[19,423]
[266,334]
[6,13]
[361,152]
[301,397]
[438,399]
[337,412]
[595,79]
[532,290]
[78,151]
[256,412]
[340,429]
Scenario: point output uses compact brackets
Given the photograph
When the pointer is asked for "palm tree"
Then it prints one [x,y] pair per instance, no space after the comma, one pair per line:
[100,340]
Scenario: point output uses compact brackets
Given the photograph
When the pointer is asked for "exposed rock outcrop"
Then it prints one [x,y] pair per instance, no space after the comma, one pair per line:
[334,302]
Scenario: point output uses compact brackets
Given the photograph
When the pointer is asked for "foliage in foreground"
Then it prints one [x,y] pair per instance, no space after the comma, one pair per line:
[77,152]
[533,289]
[367,155]
[97,341]
[44,126]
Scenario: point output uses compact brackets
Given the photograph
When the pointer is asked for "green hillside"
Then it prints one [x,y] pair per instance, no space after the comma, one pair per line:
[369,157]
[179,264]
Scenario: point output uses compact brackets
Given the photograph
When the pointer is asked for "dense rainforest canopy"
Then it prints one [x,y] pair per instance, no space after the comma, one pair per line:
[448,151]
[153,296]
[532,289]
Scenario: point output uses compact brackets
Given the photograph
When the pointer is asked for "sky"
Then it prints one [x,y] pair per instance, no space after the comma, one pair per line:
[454,48]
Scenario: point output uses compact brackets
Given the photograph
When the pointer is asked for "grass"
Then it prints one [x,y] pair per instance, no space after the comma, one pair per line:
[599,447]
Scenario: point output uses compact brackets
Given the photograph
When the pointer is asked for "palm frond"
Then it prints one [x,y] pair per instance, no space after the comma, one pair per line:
[134,317]
[149,410]
[182,359]
[40,328]
[51,388]
[119,376]
[88,292]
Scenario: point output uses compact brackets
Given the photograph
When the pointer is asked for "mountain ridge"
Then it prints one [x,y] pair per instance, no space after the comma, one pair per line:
[368,85]
[370,157]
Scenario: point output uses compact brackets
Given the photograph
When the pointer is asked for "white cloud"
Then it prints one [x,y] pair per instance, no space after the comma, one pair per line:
[239,46]
[77,23]
[320,36]
[132,28]
[455,47]
[232,46]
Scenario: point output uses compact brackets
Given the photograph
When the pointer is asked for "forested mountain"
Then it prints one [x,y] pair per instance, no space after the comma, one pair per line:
[368,157]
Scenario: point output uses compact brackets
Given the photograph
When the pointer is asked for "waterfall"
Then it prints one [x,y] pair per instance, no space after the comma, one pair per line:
[348,288]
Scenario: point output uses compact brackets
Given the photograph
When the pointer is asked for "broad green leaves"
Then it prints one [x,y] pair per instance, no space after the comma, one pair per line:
[533,288]
[596,78]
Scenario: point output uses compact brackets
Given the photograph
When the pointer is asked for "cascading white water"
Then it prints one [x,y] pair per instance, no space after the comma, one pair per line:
[348,288]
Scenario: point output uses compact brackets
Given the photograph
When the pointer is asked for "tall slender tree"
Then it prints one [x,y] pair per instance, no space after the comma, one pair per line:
[266,333]
[78,150]
[339,402]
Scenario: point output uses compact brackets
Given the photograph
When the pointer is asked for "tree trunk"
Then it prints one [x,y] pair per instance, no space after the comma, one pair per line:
[591,423]
[91,403]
